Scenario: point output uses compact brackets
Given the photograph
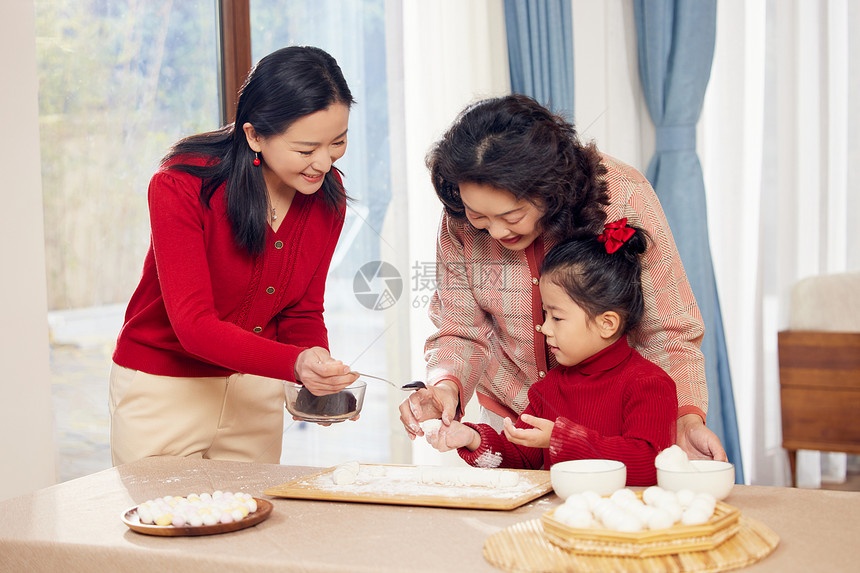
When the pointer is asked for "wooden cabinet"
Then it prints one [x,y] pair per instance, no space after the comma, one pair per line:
[819,376]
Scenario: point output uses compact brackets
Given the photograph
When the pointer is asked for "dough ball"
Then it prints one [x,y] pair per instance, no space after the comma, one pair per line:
[578,501]
[685,497]
[675,459]
[674,509]
[660,519]
[436,474]
[629,523]
[593,498]
[431,428]
[509,479]
[704,505]
[574,516]
[352,466]
[478,477]
[694,516]
[653,494]
[346,473]
[343,477]
[621,495]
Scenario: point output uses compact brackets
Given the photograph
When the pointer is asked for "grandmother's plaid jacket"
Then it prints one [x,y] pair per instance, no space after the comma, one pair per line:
[487,307]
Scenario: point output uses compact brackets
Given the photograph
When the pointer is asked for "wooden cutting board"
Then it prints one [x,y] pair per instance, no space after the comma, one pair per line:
[401,485]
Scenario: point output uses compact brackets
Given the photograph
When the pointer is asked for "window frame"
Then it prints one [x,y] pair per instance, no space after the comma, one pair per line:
[235,45]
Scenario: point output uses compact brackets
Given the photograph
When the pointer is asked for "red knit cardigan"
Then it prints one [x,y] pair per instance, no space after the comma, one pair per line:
[205,307]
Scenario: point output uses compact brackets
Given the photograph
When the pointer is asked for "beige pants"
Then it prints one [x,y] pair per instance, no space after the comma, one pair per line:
[238,418]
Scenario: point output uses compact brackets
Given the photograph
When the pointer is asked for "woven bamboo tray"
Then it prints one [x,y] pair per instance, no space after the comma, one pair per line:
[676,539]
[523,548]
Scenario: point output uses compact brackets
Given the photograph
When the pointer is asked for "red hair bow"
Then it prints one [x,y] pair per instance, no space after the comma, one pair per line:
[615,234]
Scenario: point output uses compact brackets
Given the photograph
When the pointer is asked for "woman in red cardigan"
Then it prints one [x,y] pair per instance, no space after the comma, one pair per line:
[515,180]
[603,400]
[244,223]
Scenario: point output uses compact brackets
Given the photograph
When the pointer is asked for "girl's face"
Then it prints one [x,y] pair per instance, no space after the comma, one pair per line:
[512,222]
[299,158]
[570,334]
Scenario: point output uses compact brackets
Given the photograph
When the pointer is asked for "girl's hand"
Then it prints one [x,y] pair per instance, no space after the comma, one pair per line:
[536,437]
[439,401]
[453,436]
[322,374]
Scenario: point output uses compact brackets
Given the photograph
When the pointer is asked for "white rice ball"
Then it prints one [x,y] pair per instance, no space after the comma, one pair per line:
[574,517]
[653,494]
[694,516]
[673,458]
[593,498]
[578,501]
[660,519]
[685,497]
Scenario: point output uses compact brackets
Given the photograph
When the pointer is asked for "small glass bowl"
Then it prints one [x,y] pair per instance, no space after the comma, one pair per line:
[327,409]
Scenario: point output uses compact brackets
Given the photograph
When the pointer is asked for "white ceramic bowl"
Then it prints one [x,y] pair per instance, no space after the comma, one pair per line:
[328,409]
[713,477]
[576,476]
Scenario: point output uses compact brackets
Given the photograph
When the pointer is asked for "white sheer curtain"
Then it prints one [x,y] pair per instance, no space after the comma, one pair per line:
[779,135]
[779,146]
[454,52]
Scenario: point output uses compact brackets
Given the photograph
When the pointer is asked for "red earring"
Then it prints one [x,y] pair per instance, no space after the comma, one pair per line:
[256,158]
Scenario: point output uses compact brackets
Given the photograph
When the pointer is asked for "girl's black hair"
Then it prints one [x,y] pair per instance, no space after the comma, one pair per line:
[599,281]
[283,87]
[515,144]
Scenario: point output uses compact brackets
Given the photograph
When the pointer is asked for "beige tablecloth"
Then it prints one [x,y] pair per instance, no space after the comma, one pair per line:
[76,526]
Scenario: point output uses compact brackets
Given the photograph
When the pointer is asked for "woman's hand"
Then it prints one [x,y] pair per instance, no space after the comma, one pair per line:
[536,437]
[321,374]
[697,440]
[453,436]
[439,401]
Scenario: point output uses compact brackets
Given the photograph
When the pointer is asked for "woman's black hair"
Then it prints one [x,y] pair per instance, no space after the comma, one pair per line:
[283,87]
[515,144]
[599,281]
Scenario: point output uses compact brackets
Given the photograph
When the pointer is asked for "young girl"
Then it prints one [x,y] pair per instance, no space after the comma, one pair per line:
[603,400]
[230,303]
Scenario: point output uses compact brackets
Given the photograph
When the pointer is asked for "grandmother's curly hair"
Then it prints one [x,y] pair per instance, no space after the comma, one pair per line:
[515,144]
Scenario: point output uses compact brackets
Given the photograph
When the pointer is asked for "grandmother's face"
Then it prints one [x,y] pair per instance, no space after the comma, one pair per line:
[512,222]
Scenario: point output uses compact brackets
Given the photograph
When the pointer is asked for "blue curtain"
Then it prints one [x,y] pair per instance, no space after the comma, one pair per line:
[676,47]
[540,51]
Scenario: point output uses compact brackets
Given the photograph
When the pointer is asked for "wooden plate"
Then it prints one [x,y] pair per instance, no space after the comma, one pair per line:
[397,486]
[130,518]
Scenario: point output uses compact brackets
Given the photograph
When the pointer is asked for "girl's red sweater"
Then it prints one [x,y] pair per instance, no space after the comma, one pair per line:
[614,405]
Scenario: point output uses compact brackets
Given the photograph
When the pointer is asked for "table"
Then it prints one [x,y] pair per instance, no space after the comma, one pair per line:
[75,527]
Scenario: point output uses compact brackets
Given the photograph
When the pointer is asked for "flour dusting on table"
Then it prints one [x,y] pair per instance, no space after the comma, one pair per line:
[407,481]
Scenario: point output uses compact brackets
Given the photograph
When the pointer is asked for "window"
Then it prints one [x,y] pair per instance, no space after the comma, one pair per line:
[120,81]
[353,32]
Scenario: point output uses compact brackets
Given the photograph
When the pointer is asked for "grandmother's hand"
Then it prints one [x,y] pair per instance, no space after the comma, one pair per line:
[438,401]
[697,440]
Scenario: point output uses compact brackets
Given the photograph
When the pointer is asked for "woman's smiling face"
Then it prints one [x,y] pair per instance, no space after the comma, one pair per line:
[512,222]
[299,158]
